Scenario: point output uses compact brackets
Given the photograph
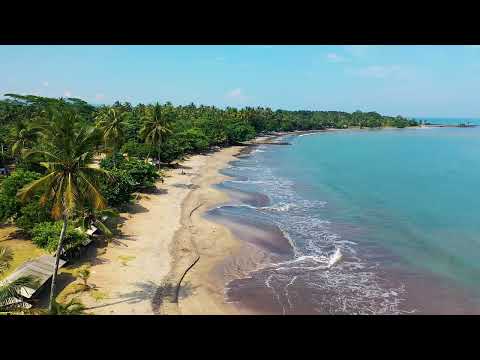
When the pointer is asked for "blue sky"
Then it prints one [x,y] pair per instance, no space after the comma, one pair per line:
[438,81]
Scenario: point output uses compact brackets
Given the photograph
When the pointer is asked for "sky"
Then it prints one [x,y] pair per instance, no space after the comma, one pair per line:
[413,81]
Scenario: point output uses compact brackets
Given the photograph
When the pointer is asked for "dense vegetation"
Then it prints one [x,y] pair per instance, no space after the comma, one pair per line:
[71,163]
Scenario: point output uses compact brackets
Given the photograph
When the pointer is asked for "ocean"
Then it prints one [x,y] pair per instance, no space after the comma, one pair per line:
[359,222]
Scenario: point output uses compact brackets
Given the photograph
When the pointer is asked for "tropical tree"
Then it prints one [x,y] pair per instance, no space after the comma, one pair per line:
[71,181]
[111,121]
[23,137]
[156,126]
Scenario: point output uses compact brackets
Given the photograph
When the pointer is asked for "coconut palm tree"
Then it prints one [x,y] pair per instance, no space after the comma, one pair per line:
[71,180]
[111,122]
[156,125]
[10,291]
[23,136]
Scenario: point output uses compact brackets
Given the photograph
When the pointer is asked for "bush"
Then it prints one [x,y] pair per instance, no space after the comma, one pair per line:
[139,150]
[118,190]
[9,204]
[240,132]
[193,140]
[142,173]
[47,234]
[16,181]
[134,174]
[112,161]
[32,214]
[8,207]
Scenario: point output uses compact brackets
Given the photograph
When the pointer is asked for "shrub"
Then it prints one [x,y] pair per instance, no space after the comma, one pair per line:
[47,234]
[139,150]
[144,174]
[9,204]
[32,214]
[8,207]
[118,190]
[112,161]
[16,181]
[132,175]
[240,132]
[194,140]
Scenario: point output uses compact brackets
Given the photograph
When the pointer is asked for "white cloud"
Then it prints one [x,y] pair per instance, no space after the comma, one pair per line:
[236,94]
[473,46]
[333,57]
[45,83]
[67,93]
[99,96]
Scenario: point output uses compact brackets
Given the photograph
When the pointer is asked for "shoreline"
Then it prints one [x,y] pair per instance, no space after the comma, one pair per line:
[166,237]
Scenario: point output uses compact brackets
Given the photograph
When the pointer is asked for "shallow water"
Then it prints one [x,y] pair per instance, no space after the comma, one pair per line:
[401,205]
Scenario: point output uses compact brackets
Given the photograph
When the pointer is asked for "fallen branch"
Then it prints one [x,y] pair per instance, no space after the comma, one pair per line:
[177,290]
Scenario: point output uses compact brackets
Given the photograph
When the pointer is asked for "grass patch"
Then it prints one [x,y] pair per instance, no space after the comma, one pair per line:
[22,249]
[125,259]
[70,289]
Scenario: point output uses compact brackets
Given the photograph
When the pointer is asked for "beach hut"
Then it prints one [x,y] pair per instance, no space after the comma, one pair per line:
[41,269]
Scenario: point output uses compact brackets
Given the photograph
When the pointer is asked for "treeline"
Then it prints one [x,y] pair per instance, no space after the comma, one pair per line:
[190,128]
[67,167]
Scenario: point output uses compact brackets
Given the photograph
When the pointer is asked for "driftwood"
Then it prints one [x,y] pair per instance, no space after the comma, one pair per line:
[177,289]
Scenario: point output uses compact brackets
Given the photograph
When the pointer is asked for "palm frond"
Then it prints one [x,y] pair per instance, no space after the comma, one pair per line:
[28,190]
[13,289]
[6,256]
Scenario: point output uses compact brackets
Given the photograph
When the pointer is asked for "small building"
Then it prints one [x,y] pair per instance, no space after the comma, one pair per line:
[41,269]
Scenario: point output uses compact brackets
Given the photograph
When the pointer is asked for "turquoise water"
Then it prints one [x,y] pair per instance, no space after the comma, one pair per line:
[401,204]
[414,190]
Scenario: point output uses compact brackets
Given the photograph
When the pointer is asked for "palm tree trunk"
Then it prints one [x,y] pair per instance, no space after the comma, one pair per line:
[57,260]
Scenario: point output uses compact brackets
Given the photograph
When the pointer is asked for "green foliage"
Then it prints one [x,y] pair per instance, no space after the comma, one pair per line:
[238,132]
[16,181]
[193,140]
[10,206]
[117,190]
[32,214]
[83,273]
[140,175]
[143,174]
[138,149]
[47,234]
[73,307]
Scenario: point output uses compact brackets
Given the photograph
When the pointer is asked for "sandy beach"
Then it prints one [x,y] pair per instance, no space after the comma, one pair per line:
[163,234]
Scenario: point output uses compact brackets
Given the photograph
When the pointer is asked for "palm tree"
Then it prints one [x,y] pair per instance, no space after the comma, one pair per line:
[111,122]
[71,181]
[155,127]
[24,136]
[10,291]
